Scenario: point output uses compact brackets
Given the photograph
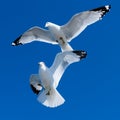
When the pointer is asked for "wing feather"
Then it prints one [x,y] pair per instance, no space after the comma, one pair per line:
[35,34]
[81,20]
[61,62]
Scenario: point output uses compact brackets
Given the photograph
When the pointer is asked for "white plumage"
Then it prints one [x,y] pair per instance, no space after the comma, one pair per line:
[44,83]
[63,34]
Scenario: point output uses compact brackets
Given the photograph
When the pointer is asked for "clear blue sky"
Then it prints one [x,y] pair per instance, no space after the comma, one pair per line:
[91,87]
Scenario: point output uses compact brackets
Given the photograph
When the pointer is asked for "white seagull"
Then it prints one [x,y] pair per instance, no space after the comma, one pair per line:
[44,83]
[63,34]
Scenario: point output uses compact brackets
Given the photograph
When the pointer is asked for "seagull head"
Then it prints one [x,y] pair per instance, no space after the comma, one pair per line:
[48,24]
[42,65]
[52,25]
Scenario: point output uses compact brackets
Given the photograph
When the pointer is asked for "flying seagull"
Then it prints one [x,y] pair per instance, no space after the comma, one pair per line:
[63,34]
[44,83]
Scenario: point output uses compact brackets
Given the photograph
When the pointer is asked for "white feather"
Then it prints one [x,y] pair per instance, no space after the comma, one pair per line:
[49,77]
[52,100]
[63,34]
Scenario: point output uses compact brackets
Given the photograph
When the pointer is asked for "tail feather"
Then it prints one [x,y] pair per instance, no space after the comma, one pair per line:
[66,47]
[51,98]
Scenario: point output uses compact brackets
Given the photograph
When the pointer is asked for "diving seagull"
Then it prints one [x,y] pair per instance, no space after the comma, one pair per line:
[44,83]
[63,34]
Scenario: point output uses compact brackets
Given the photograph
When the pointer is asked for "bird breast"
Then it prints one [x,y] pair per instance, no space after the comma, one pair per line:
[46,78]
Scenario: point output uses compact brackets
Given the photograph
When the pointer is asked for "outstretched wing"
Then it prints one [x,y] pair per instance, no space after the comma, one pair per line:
[34,34]
[81,20]
[62,61]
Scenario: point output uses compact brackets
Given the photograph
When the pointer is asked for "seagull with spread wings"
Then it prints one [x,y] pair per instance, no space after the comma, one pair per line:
[63,34]
[44,83]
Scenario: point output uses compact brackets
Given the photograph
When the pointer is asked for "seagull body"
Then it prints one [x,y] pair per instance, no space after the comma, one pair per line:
[63,34]
[44,83]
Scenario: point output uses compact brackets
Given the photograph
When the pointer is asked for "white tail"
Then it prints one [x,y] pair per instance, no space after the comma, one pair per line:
[66,47]
[51,98]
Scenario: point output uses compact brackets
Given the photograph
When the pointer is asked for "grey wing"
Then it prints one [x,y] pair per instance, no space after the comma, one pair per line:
[34,34]
[35,83]
[81,20]
[61,62]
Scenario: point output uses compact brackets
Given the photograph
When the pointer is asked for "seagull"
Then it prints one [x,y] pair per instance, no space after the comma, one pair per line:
[61,35]
[44,83]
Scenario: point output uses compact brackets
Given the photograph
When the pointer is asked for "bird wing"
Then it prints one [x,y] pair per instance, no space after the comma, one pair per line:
[35,83]
[81,20]
[61,62]
[34,34]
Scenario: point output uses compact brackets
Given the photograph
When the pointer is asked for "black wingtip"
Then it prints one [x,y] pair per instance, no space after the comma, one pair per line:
[82,54]
[103,9]
[17,41]
[34,89]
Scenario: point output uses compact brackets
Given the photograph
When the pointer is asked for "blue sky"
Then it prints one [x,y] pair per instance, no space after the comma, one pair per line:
[91,87]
